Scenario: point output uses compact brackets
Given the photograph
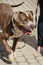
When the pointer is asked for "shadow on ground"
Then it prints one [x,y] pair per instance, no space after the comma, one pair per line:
[30,40]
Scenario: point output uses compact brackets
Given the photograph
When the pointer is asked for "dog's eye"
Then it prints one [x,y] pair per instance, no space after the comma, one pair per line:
[25,20]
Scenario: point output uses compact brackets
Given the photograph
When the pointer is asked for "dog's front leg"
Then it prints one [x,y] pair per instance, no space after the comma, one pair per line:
[14,46]
[14,43]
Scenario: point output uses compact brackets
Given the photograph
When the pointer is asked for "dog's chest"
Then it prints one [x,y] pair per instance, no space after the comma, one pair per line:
[17,31]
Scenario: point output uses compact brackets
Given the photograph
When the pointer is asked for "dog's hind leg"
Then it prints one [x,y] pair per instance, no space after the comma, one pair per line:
[9,50]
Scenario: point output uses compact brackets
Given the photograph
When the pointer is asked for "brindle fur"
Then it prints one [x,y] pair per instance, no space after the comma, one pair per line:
[11,25]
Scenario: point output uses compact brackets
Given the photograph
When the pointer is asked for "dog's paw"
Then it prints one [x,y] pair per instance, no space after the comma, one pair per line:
[11,57]
[14,54]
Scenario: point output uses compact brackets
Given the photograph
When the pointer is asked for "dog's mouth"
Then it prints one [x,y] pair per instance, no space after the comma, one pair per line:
[25,30]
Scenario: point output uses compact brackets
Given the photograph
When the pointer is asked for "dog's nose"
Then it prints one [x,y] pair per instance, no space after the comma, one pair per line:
[32,26]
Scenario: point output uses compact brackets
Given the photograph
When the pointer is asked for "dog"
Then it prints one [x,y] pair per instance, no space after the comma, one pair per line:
[13,25]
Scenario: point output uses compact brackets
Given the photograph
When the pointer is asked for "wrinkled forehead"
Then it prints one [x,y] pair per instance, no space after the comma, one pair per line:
[23,16]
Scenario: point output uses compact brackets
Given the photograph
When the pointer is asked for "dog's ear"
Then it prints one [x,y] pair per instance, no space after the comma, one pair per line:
[30,14]
[23,16]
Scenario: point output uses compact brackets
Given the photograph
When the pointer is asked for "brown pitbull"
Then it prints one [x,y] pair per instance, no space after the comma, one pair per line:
[13,24]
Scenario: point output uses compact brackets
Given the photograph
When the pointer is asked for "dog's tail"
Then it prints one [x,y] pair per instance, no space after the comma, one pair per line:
[17,5]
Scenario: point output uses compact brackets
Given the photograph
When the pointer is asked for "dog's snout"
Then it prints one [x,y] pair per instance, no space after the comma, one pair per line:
[30,25]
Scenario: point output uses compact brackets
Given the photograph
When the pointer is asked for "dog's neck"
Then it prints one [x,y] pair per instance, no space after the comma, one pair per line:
[12,21]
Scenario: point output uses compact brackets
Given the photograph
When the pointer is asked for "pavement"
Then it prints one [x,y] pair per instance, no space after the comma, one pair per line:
[26,53]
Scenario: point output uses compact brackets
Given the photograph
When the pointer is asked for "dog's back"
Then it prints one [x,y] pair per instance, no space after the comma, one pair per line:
[5,14]
[5,8]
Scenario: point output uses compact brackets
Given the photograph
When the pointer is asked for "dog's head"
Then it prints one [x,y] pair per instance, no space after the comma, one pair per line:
[24,21]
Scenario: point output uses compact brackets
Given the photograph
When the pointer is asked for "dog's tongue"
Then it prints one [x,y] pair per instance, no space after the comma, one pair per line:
[28,33]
